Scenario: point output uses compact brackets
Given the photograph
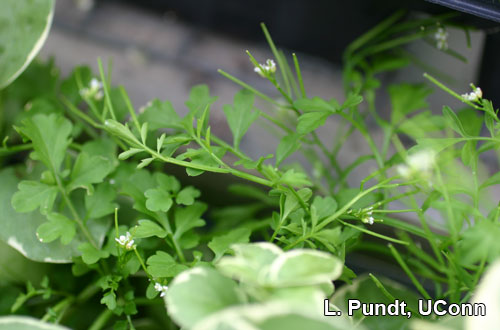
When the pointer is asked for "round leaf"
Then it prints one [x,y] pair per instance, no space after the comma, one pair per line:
[199,292]
[25,26]
[304,267]
[26,323]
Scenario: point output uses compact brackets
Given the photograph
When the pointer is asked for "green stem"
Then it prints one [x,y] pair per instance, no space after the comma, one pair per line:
[299,75]
[408,272]
[250,88]
[202,167]
[449,91]
[5,151]
[105,87]
[60,306]
[73,211]
[101,320]
[141,261]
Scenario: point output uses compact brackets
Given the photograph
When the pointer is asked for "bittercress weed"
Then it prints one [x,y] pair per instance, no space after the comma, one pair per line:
[84,183]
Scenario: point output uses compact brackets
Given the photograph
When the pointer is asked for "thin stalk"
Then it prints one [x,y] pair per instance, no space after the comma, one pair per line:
[170,232]
[299,75]
[141,261]
[276,55]
[408,272]
[372,233]
[202,167]
[250,88]
[60,306]
[130,108]
[342,210]
[5,151]
[451,92]
[73,211]
[101,320]
[105,87]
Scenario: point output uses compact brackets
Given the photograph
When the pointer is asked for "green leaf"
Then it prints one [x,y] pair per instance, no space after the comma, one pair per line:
[221,244]
[453,121]
[316,104]
[188,218]
[492,180]
[167,182]
[287,146]
[144,132]
[471,121]
[34,194]
[202,157]
[277,315]
[241,115]
[109,299]
[90,254]
[26,25]
[324,206]
[104,147]
[187,195]
[387,62]
[158,200]
[27,323]
[163,265]
[198,293]
[407,98]
[148,228]
[310,121]
[253,164]
[145,162]
[199,99]
[160,114]
[292,203]
[100,203]
[50,137]
[365,290]
[89,170]
[480,241]
[294,179]
[121,131]
[129,153]
[304,267]
[469,153]
[57,226]
[250,261]
[352,101]
[19,229]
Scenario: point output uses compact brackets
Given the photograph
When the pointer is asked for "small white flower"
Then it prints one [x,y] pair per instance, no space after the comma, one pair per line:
[126,241]
[474,96]
[441,37]
[420,163]
[478,92]
[161,288]
[266,69]
[93,91]
[370,220]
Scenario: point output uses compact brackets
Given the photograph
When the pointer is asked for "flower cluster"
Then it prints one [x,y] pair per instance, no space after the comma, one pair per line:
[266,69]
[93,91]
[474,96]
[366,215]
[441,37]
[126,241]
[161,288]
[419,164]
